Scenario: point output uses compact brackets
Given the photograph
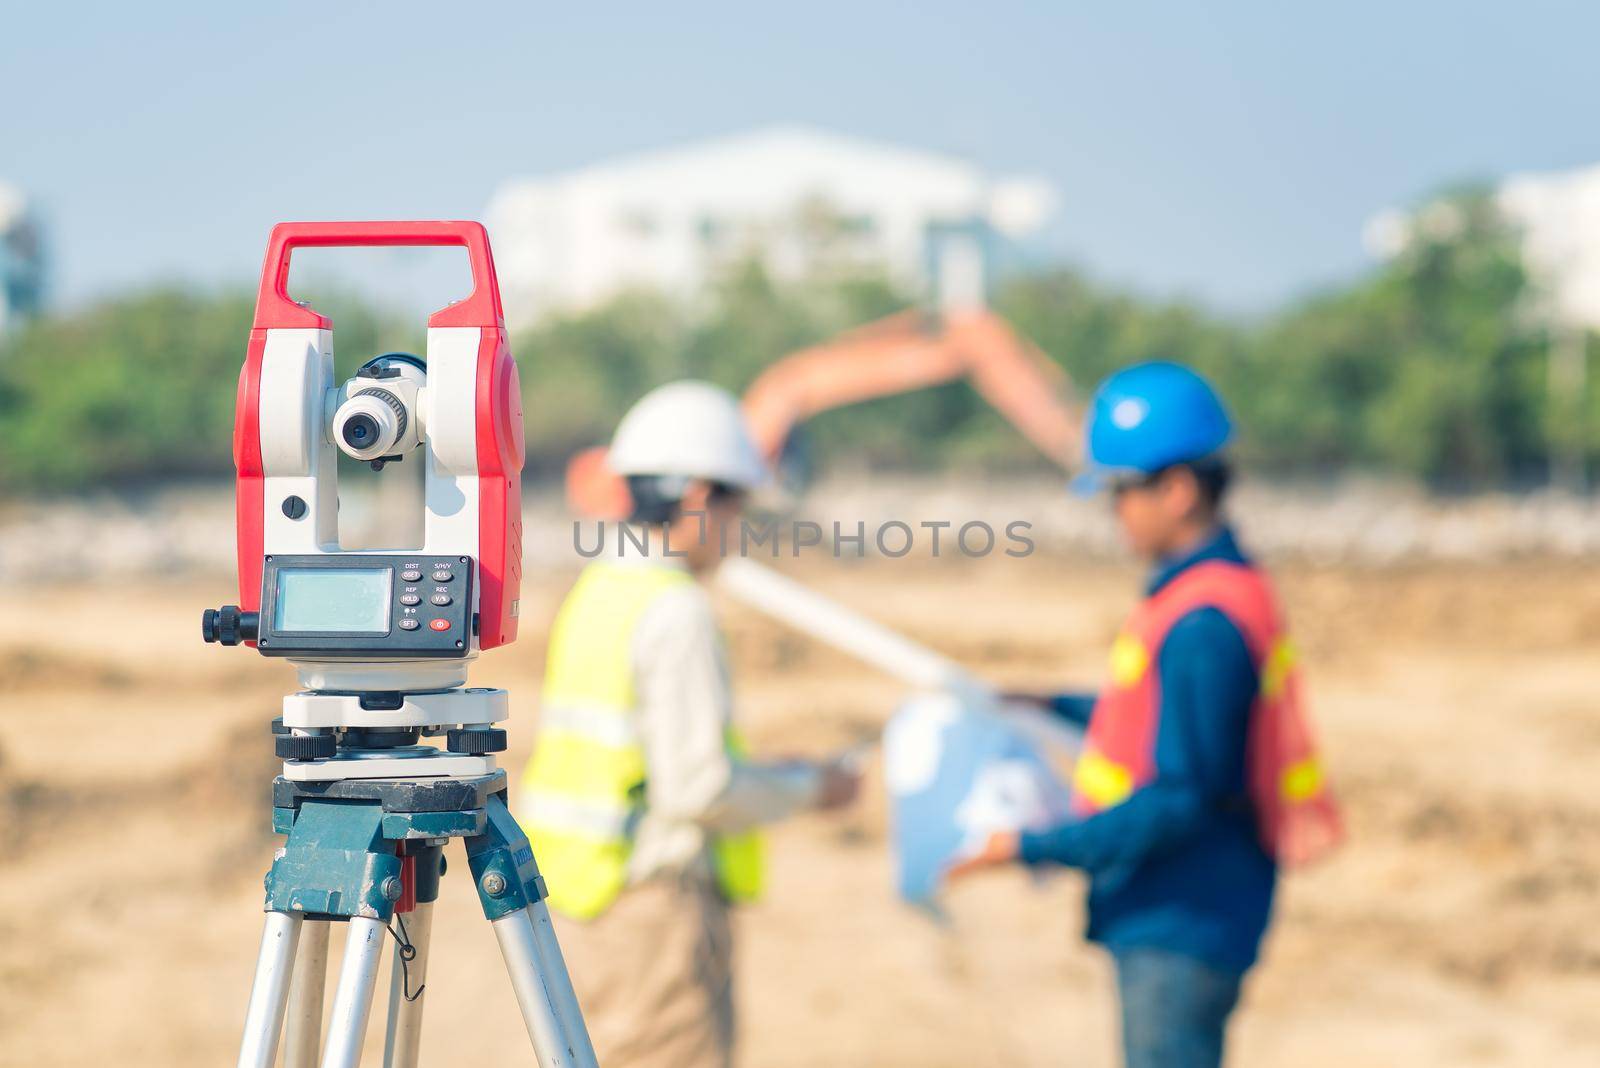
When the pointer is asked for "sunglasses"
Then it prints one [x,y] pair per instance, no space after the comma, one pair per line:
[1124,483]
[722,493]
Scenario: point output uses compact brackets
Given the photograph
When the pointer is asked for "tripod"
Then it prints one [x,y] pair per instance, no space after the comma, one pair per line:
[368,851]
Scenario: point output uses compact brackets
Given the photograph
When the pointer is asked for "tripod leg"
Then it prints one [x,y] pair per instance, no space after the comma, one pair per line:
[263,1020]
[303,1029]
[512,894]
[559,979]
[405,1012]
[352,999]
[552,1042]
[405,1016]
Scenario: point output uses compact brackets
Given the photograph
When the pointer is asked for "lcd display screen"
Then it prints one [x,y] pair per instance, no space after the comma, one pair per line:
[332,600]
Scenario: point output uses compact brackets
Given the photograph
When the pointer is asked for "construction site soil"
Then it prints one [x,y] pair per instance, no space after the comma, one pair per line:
[1457,928]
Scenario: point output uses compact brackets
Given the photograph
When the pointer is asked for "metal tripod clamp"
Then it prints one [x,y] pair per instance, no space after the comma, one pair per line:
[336,863]
[503,868]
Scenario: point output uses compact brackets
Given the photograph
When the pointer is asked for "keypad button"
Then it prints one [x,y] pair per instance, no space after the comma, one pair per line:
[440,599]
[440,624]
[442,576]
[411,575]
[410,598]
[409,624]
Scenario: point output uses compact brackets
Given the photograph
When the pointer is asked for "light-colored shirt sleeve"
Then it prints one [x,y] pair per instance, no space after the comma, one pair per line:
[685,705]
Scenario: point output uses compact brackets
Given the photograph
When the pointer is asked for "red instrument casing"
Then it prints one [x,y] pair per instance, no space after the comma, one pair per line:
[495,391]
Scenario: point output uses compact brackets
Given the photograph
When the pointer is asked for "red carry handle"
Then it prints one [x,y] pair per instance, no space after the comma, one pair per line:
[275,309]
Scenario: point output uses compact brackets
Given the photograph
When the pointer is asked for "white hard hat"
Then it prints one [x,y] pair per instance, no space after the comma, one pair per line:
[691,430]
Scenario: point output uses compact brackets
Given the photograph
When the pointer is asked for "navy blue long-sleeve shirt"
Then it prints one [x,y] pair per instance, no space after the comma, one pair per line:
[1179,865]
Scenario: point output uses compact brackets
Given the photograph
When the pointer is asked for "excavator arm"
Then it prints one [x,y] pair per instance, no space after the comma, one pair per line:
[904,352]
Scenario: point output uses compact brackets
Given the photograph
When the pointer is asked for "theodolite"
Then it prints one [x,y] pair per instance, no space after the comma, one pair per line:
[381,640]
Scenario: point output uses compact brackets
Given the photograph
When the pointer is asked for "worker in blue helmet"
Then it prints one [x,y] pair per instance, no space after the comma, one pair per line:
[1149,418]
[1181,845]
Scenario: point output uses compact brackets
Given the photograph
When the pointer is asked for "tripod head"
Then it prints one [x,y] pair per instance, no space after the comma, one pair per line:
[400,619]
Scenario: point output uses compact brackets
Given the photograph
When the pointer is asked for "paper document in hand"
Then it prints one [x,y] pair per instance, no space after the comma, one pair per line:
[957,772]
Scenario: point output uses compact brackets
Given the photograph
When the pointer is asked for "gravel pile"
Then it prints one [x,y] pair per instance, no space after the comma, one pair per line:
[190,530]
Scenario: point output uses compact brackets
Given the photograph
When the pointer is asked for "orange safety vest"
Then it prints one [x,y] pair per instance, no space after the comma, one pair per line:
[1296,813]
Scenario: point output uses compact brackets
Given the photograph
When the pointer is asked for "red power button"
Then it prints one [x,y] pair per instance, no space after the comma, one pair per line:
[439,624]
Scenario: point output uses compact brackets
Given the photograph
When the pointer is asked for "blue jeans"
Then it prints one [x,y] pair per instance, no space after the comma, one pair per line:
[1174,1009]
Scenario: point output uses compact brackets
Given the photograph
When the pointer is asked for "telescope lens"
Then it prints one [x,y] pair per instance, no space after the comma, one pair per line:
[360,430]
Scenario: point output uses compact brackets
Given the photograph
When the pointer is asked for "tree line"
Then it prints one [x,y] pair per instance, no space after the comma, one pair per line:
[1432,366]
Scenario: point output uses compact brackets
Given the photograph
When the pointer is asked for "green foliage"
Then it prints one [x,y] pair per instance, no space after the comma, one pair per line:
[128,388]
[132,389]
[581,372]
[1093,332]
[1427,367]
[1432,366]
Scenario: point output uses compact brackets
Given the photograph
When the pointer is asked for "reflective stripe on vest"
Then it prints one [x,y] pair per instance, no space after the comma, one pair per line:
[583,790]
[1295,810]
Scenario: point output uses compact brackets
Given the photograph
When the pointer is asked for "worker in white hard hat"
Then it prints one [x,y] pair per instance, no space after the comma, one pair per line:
[639,800]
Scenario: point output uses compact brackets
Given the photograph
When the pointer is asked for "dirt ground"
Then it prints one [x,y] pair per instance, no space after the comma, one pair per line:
[1458,928]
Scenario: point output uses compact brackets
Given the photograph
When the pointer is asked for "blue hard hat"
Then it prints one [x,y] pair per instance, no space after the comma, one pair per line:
[1147,417]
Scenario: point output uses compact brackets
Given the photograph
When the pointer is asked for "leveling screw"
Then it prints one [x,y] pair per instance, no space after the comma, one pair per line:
[392,889]
[494,884]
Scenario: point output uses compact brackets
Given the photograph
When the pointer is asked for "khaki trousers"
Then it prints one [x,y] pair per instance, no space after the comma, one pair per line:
[654,975]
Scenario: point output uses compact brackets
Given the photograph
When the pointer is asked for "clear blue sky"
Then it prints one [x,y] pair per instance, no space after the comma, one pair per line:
[1229,151]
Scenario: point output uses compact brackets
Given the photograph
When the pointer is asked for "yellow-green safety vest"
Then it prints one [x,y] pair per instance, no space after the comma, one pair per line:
[584,789]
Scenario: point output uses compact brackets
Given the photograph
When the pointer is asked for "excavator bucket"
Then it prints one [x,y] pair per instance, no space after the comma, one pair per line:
[593,489]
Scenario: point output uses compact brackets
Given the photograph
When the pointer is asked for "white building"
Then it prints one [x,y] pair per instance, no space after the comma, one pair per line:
[1559,213]
[21,258]
[798,198]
